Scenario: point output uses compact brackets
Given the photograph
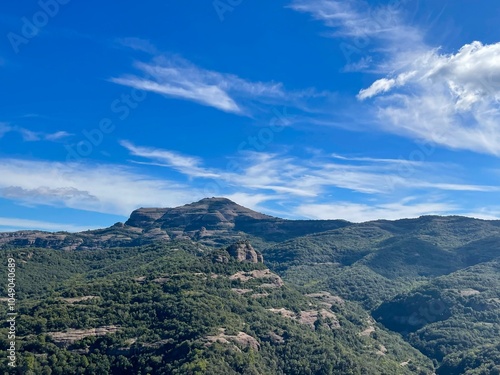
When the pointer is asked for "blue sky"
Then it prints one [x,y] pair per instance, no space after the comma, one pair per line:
[300,108]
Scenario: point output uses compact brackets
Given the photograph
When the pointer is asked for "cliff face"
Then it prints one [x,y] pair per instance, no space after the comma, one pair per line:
[244,252]
[211,213]
[212,221]
[145,216]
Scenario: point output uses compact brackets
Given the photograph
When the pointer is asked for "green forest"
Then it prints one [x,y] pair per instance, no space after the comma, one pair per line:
[174,309]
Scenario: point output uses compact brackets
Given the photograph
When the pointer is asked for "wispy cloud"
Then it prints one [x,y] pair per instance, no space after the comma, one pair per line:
[357,212]
[384,85]
[356,18]
[178,78]
[267,182]
[485,213]
[47,195]
[372,33]
[57,136]
[291,176]
[377,160]
[187,165]
[252,201]
[32,136]
[14,224]
[137,44]
[112,189]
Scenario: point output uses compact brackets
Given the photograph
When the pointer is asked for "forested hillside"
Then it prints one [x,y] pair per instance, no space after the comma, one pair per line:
[215,288]
[181,308]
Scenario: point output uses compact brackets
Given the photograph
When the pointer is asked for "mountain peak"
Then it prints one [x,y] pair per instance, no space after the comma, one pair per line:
[216,200]
[219,221]
[208,213]
[219,203]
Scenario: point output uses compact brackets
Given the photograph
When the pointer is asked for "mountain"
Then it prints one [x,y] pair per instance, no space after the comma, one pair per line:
[384,257]
[220,220]
[211,221]
[213,287]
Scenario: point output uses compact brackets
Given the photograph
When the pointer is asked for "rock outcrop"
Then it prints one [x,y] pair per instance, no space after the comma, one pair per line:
[273,280]
[242,339]
[244,252]
[72,335]
[145,216]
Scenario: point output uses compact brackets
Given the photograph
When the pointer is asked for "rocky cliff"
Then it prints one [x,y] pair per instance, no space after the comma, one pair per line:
[244,252]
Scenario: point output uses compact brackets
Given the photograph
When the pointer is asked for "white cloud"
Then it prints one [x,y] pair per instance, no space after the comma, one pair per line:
[14,224]
[485,213]
[357,212]
[28,135]
[178,78]
[369,30]
[384,85]
[452,100]
[378,160]
[138,44]
[187,165]
[448,99]
[208,95]
[259,181]
[354,18]
[110,189]
[457,187]
[293,177]
[32,136]
[46,194]
[252,201]
[57,136]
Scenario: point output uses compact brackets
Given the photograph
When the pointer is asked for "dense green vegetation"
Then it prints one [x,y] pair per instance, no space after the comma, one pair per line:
[452,319]
[434,280]
[169,303]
